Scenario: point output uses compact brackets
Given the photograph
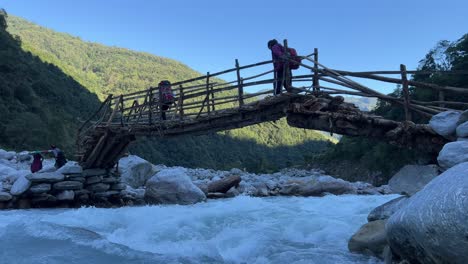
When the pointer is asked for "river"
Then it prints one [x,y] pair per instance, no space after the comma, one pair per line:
[238,230]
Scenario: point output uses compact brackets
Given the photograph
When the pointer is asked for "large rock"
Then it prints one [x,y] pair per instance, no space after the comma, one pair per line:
[452,154]
[172,186]
[433,226]
[20,186]
[223,185]
[387,209]
[370,239]
[463,117]
[135,171]
[7,155]
[66,195]
[462,130]
[412,178]
[321,186]
[70,168]
[4,196]
[7,173]
[46,177]
[98,187]
[445,123]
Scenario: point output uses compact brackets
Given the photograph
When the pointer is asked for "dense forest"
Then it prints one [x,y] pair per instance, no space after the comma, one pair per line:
[96,69]
[381,157]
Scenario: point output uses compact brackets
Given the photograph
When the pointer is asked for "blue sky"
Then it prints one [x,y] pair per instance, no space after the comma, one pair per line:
[208,35]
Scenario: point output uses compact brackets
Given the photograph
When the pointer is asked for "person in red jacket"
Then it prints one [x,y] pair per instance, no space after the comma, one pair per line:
[36,165]
[282,74]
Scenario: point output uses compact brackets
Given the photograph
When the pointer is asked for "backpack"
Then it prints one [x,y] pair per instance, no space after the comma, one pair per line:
[293,54]
[165,92]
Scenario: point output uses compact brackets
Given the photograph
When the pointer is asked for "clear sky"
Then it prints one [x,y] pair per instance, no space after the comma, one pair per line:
[208,35]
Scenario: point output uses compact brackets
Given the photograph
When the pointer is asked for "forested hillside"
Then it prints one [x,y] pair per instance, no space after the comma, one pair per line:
[382,159]
[39,104]
[103,70]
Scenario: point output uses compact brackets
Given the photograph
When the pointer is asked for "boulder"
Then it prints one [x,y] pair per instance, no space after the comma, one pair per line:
[7,155]
[387,209]
[48,168]
[432,226]
[23,156]
[66,195]
[223,185]
[462,130]
[463,117]
[70,168]
[369,239]
[172,186]
[93,179]
[318,187]
[4,196]
[46,177]
[7,172]
[445,123]
[68,185]
[40,188]
[135,171]
[20,186]
[412,178]
[452,154]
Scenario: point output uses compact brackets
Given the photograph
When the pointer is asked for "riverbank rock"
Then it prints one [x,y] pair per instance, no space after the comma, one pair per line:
[20,186]
[452,154]
[445,123]
[70,168]
[370,239]
[462,130]
[412,178]
[432,227]
[387,209]
[223,185]
[40,188]
[46,177]
[172,186]
[135,171]
[318,187]
[4,196]
[7,155]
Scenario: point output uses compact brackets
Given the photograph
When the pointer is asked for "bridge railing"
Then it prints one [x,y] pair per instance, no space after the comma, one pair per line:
[228,90]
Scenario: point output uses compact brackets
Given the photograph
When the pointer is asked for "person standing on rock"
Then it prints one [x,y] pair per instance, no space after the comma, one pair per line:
[282,74]
[60,159]
[36,165]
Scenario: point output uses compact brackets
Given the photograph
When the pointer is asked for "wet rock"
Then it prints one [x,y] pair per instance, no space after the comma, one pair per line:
[70,168]
[412,178]
[223,185]
[432,227]
[370,239]
[387,209]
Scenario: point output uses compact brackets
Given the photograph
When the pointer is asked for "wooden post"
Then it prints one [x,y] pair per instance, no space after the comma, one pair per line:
[240,87]
[181,102]
[441,98]
[121,110]
[315,80]
[208,92]
[404,81]
[150,111]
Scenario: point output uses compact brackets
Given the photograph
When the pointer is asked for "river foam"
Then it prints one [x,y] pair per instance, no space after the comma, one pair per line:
[238,230]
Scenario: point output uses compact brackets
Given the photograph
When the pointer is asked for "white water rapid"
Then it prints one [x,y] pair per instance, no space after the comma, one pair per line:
[238,230]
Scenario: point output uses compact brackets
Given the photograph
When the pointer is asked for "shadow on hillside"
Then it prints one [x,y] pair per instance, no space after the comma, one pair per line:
[39,104]
[223,152]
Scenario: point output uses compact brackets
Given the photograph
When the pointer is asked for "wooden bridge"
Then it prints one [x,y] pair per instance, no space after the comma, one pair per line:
[208,104]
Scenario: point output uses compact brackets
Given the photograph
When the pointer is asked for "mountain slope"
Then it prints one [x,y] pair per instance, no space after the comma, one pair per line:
[39,104]
[103,70]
